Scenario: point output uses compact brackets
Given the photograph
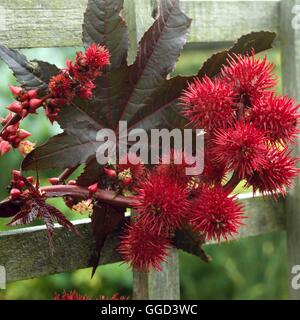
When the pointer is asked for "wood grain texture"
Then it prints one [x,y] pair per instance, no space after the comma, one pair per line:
[290,49]
[42,23]
[159,285]
[25,252]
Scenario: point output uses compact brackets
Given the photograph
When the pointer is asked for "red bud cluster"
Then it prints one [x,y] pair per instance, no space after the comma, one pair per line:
[11,135]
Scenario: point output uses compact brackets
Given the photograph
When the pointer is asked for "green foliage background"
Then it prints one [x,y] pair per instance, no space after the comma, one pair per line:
[253,268]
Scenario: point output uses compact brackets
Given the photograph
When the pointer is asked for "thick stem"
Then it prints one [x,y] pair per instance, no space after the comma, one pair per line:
[67,173]
[232,183]
[80,192]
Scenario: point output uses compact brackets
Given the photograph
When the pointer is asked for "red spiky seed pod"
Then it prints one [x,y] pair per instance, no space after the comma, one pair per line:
[161,204]
[277,175]
[176,170]
[241,148]
[143,249]
[277,117]
[216,214]
[249,76]
[209,104]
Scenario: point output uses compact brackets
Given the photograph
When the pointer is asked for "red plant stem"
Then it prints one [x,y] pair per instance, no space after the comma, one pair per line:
[81,192]
[66,173]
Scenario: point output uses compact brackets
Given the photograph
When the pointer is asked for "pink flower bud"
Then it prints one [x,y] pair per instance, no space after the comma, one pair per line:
[32,94]
[15,107]
[23,134]
[16,174]
[110,173]
[15,90]
[35,103]
[5,147]
[93,188]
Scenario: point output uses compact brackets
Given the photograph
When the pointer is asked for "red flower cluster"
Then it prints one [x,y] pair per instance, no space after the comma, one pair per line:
[77,80]
[17,184]
[27,101]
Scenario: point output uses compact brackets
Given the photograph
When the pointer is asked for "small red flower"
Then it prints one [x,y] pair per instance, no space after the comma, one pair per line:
[249,76]
[161,204]
[97,56]
[209,104]
[276,175]
[61,86]
[142,248]
[215,214]
[241,148]
[277,117]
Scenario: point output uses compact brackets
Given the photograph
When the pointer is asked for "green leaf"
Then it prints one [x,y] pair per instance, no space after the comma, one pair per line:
[30,74]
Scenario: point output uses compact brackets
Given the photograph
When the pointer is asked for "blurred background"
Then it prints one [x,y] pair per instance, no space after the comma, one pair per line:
[254,268]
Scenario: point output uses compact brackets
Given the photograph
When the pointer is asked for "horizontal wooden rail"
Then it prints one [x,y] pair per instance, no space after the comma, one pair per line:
[25,254]
[57,23]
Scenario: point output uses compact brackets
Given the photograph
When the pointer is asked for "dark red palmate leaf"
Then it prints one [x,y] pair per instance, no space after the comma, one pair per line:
[105,219]
[34,208]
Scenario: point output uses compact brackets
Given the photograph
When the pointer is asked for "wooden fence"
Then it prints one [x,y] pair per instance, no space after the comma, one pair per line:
[57,23]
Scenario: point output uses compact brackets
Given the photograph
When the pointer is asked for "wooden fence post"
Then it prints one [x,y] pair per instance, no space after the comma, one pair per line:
[150,285]
[290,50]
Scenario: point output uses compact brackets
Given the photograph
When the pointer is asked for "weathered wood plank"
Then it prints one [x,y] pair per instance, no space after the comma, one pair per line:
[159,285]
[25,252]
[43,23]
[290,39]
